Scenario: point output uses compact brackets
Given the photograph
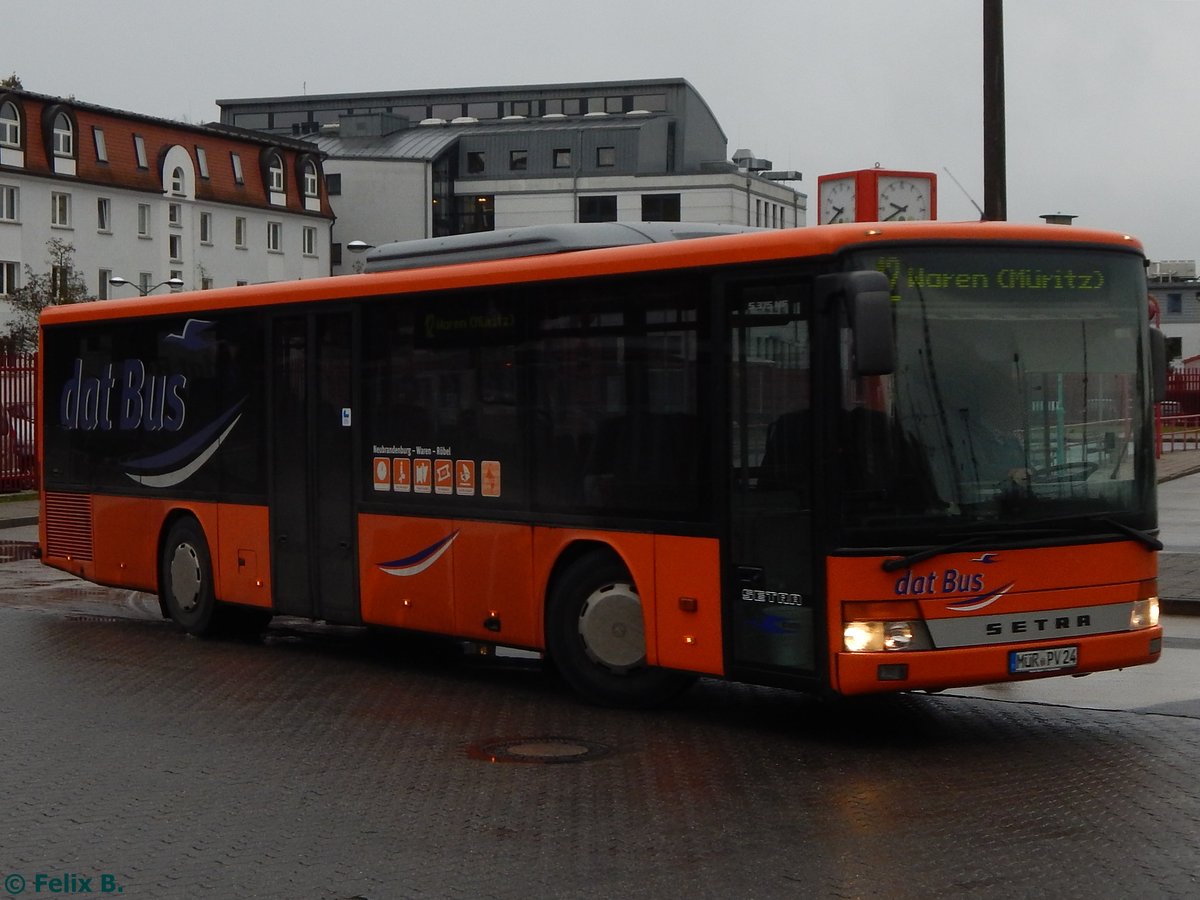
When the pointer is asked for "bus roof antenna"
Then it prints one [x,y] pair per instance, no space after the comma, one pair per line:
[978,208]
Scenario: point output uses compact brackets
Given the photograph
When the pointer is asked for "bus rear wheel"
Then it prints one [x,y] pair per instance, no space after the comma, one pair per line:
[596,640]
[185,578]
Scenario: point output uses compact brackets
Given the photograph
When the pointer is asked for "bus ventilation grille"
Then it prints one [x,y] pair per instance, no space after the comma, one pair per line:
[69,526]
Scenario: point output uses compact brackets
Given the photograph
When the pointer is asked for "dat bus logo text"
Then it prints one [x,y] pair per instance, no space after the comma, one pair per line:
[951,582]
[148,402]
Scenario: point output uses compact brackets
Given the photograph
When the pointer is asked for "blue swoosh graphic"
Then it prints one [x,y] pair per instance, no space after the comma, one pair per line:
[194,335]
[420,561]
[973,603]
[176,465]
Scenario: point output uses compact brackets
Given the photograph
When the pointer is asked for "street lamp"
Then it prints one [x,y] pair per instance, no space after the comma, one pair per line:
[173,283]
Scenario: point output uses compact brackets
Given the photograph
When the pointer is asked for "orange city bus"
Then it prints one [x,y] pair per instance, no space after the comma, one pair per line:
[844,459]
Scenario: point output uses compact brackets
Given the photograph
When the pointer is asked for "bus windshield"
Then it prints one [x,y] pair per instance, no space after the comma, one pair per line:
[1016,404]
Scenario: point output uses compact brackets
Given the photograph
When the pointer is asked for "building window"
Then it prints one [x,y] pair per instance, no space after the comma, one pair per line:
[309,241]
[139,150]
[333,184]
[178,182]
[239,232]
[660,207]
[145,280]
[1175,304]
[103,214]
[10,125]
[102,292]
[274,237]
[311,182]
[202,162]
[207,283]
[474,213]
[175,242]
[144,220]
[476,162]
[598,209]
[174,215]
[606,157]
[98,141]
[8,277]
[518,160]
[9,203]
[562,158]
[206,221]
[60,210]
[275,173]
[64,136]
[236,160]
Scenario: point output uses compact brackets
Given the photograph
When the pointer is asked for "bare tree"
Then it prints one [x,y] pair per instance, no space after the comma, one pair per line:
[62,284]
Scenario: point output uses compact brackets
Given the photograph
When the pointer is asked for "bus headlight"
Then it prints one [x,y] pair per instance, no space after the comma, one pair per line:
[874,637]
[1144,614]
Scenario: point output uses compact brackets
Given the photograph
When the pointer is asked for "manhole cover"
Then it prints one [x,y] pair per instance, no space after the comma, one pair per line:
[550,749]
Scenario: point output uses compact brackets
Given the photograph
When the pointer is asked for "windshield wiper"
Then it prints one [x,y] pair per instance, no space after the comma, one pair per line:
[903,562]
[1143,537]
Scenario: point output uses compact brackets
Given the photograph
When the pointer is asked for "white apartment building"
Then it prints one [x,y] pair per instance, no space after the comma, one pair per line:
[150,200]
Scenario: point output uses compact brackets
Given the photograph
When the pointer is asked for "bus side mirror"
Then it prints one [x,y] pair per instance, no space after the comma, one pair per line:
[868,305]
[1158,363]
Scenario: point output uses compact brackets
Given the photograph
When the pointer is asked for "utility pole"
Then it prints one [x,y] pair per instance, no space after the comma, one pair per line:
[995,183]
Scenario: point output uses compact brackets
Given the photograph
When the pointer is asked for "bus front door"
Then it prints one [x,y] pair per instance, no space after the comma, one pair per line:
[769,578]
[313,546]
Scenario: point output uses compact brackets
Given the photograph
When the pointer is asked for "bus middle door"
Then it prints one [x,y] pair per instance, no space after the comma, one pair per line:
[313,544]
[770,580]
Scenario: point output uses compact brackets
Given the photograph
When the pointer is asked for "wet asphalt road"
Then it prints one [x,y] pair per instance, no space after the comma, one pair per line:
[321,763]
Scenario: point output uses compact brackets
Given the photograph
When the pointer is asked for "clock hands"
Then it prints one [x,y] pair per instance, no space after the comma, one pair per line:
[898,210]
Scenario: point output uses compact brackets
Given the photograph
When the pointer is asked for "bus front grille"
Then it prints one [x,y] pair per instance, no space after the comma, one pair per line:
[69,526]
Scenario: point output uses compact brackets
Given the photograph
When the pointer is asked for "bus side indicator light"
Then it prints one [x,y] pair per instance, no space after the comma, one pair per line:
[689,604]
[892,672]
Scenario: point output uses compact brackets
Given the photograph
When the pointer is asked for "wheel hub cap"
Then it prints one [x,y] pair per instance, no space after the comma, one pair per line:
[610,625]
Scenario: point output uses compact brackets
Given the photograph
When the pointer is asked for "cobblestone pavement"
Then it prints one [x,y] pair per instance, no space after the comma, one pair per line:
[322,763]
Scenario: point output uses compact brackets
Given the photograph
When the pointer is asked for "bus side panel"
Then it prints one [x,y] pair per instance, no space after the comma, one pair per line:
[406,572]
[120,558]
[242,560]
[636,552]
[493,584]
[688,589]
[126,562]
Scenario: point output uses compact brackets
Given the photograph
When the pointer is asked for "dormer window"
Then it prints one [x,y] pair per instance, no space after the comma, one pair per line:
[275,170]
[312,185]
[310,179]
[178,182]
[64,136]
[10,125]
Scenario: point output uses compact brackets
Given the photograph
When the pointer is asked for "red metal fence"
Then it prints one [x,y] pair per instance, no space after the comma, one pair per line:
[18,469]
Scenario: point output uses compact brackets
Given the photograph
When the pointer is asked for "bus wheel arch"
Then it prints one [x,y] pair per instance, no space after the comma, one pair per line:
[594,631]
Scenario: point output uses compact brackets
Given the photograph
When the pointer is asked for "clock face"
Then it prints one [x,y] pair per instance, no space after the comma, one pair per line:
[903,198]
[837,201]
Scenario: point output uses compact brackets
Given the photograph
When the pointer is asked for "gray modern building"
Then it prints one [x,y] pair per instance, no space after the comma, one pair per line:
[414,164]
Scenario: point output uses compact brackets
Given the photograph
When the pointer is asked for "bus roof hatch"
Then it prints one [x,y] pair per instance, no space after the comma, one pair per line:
[534,240]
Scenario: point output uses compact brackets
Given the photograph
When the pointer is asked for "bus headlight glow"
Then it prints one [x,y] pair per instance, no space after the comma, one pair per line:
[874,637]
[1144,614]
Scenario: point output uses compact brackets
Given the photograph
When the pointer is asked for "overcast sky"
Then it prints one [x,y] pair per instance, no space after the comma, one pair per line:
[1103,97]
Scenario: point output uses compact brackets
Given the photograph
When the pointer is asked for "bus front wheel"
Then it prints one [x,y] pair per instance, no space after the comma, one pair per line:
[596,640]
[185,578]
